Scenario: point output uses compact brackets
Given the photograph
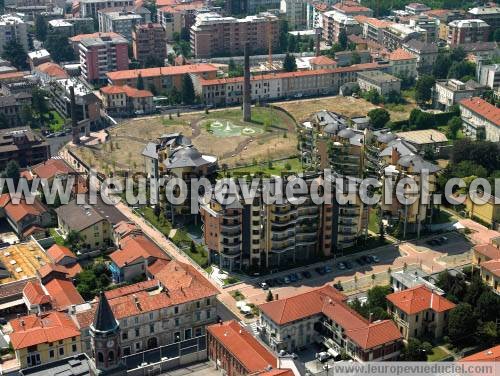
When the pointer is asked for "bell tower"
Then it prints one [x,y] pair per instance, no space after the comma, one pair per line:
[105,341]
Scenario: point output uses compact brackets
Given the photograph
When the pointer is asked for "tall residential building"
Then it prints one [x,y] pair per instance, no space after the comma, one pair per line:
[149,41]
[102,54]
[251,6]
[489,75]
[22,145]
[427,26]
[489,14]
[334,22]
[467,31]
[481,119]
[295,12]
[123,20]
[179,16]
[213,34]
[396,35]
[89,8]
[12,28]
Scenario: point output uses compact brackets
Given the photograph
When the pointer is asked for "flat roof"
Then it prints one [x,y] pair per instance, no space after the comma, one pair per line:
[22,260]
[424,136]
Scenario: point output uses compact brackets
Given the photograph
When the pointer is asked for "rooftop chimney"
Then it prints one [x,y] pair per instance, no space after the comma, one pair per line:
[74,123]
[247,100]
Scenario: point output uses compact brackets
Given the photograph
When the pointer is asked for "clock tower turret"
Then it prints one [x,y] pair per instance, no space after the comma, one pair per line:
[105,340]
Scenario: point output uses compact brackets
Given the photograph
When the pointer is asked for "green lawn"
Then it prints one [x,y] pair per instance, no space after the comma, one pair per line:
[260,115]
[161,224]
[373,221]
[275,168]
[57,238]
[437,354]
[56,123]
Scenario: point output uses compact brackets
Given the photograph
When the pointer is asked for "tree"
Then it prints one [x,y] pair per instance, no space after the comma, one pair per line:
[462,324]
[187,91]
[488,333]
[289,63]
[454,125]
[376,296]
[343,39]
[441,66]
[379,117]
[373,96]
[15,53]
[59,48]
[487,306]
[12,171]
[153,62]
[40,28]
[157,211]
[73,240]
[423,88]
[461,70]
[415,351]
[283,35]
[174,96]
[140,82]
[269,297]
[458,54]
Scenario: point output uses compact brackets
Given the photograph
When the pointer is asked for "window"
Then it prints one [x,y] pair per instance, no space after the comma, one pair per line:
[126,350]
[125,335]
[208,313]
[125,322]
[197,332]
[137,334]
[73,347]
[177,336]
[176,310]
[151,315]
[188,334]
[198,316]
[198,304]
[151,328]
[100,357]
[136,320]
[61,350]
[177,322]
[51,354]
[416,318]
[137,346]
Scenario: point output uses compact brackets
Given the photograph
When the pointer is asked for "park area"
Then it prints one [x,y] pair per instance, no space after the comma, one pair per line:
[347,106]
[271,135]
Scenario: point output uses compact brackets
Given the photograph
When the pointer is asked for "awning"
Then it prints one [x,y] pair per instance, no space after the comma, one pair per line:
[333,352]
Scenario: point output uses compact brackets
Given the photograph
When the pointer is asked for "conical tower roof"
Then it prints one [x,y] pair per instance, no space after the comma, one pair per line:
[104,320]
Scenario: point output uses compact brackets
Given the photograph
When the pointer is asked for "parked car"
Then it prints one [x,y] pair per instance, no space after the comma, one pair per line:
[292,277]
[366,259]
[444,239]
[307,274]
[348,265]
[286,280]
[323,356]
[341,266]
[320,270]
[375,258]
[328,269]
[264,286]
[360,261]
[269,282]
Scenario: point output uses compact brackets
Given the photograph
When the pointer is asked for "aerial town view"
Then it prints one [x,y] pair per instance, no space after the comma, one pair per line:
[249,187]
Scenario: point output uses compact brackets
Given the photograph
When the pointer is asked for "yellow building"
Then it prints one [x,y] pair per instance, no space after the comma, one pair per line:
[488,213]
[43,339]
[94,228]
[419,311]
[487,257]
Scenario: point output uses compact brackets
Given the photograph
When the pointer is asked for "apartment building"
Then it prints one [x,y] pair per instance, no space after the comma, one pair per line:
[122,20]
[323,315]
[334,22]
[487,13]
[126,100]
[372,27]
[179,16]
[12,27]
[419,311]
[416,8]
[382,82]
[481,119]
[175,305]
[428,27]
[295,12]
[352,8]
[394,36]
[43,338]
[467,31]
[403,63]
[22,145]
[488,75]
[449,92]
[426,54]
[102,54]
[88,105]
[225,91]
[487,257]
[213,34]
[89,8]
[162,78]
[251,6]
[149,41]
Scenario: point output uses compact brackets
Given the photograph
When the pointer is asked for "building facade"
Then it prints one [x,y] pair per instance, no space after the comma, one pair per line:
[467,31]
[13,28]
[123,20]
[481,120]
[149,41]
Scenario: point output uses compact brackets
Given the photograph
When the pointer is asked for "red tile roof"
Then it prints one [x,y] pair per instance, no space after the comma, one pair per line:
[11,75]
[493,266]
[418,299]
[161,71]
[34,330]
[243,346]
[34,293]
[4,200]
[277,372]
[489,355]
[52,168]
[63,293]
[483,108]
[134,247]
[47,269]
[58,252]
[176,283]
[52,69]
[348,8]
[375,22]
[124,228]
[157,266]
[401,54]
[489,250]
[352,68]
[331,303]
[127,90]
[18,211]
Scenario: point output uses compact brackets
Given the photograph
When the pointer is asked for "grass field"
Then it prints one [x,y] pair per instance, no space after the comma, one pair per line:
[275,168]
[437,354]
[347,106]
[271,135]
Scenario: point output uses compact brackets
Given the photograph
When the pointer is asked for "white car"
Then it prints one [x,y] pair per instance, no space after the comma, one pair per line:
[341,266]
[264,285]
[323,356]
